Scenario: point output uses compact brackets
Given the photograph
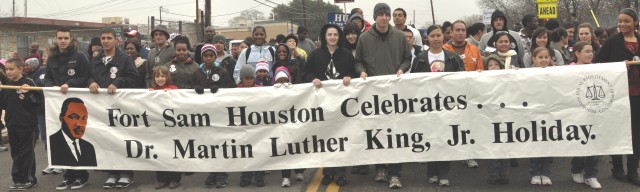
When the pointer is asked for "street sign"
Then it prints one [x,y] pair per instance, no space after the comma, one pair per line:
[343,1]
[547,11]
[546,1]
[337,18]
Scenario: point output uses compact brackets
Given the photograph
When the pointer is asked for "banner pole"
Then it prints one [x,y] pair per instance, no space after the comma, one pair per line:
[18,87]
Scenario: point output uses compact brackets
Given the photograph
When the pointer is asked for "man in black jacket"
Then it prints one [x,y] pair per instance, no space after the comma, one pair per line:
[66,67]
[112,69]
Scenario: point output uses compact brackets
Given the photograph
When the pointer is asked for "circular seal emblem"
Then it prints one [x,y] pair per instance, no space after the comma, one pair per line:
[113,70]
[41,76]
[215,77]
[595,93]
[113,75]
[71,72]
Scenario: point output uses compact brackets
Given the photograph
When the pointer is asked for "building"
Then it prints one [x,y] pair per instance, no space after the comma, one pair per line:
[115,20]
[273,28]
[17,33]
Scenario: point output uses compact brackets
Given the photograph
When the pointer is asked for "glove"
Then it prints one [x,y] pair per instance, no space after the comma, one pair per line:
[214,89]
[199,89]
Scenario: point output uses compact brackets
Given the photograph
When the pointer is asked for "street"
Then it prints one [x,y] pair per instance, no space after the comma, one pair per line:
[413,179]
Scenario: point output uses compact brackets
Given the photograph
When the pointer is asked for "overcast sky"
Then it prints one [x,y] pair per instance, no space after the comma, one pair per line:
[222,10]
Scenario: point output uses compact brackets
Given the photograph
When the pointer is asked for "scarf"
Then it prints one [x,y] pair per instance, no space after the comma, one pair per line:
[507,55]
[139,61]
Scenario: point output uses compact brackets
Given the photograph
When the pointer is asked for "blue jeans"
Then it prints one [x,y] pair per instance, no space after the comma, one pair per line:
[42,127]
[540,166]
[438,168]
[587,164]
[498,166]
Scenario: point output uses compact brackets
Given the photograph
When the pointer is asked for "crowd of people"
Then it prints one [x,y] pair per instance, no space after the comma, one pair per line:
[357,50]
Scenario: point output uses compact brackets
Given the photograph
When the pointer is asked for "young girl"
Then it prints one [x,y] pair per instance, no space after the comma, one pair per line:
[541,38]
[585,34]
[619,47]
[541,57]
[436,59]
[582,54]
[162,81]
[262,74]
[259,50]
[498,169]
[584,169]
[493,62]
[539,167]
[283,58]
[182,67]
[510,57]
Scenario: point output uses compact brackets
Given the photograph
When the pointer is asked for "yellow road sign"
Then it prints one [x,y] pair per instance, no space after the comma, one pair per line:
[547,10]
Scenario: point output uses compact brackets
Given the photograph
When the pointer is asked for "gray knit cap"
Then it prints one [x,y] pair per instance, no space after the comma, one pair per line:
[247,71]
[381,8]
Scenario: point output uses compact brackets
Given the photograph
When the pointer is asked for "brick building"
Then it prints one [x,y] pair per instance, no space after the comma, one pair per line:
[273,28]
[17,33]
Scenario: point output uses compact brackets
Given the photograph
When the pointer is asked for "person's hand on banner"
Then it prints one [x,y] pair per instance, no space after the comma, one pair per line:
[363,75]
[23,88]
[317,83]
[93,88]
[400,72]
[346,80]
[64,88]
[111,89]
[199,89]
[214,89]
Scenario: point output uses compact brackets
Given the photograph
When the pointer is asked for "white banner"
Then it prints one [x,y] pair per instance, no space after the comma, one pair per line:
[557,111]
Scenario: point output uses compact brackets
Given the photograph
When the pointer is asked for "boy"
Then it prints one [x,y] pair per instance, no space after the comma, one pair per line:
[211,74]
[247,80]
[247,77]
[21,110]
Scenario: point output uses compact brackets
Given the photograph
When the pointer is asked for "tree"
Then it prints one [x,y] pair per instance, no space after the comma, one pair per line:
[605,11]
[471,19]
[306,11]
[246,18]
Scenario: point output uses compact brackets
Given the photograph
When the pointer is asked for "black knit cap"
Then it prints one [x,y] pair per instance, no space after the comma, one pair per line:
[632,13]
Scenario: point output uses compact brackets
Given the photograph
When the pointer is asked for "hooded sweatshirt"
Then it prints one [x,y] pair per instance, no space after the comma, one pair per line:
[324,65]
[292,66]
[484,41]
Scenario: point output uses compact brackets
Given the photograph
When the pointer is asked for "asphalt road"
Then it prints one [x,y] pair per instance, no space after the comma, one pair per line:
[413,178]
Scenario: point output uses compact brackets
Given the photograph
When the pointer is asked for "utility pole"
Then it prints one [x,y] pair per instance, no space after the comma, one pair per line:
[13,10]
[433,14]
[319,15]
[25,8]
[414,17]
[207,13]
[160,15]
[304,12]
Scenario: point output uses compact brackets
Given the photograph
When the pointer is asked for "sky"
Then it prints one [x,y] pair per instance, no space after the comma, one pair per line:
[222,10]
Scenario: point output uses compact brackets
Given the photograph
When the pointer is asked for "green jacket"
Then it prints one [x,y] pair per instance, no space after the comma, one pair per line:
[382,56]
